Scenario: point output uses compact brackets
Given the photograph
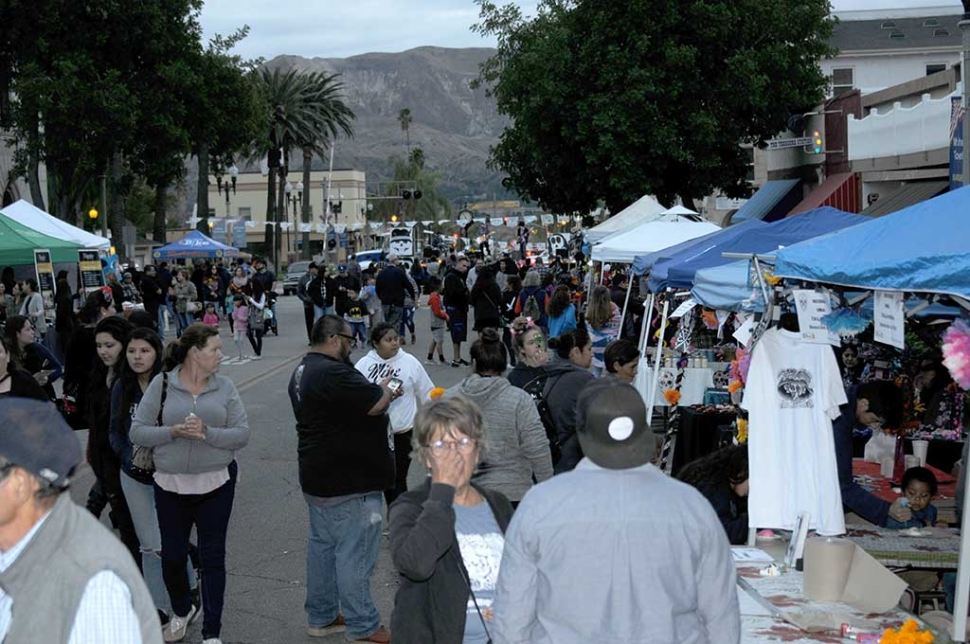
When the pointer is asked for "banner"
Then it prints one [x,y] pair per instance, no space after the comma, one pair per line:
[92,278]
[239,234]
[956,142]
[44,269]
[497,221]
[218,229]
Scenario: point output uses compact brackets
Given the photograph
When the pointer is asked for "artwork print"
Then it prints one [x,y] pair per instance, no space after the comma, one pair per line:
[795,388]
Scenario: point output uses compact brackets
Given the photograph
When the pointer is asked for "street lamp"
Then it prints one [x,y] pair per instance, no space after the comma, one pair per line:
[294,200]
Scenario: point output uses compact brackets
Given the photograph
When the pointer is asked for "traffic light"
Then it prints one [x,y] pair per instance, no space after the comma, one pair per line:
[337,207]
[817,142]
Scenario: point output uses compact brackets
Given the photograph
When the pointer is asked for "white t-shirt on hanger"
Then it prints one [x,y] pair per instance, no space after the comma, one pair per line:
[792,394]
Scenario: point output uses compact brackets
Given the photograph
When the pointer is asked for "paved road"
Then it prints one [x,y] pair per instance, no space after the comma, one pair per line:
[266,551]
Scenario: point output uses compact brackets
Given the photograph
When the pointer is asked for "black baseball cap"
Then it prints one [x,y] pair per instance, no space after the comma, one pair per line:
[612,427]
[311,266]
[36,438]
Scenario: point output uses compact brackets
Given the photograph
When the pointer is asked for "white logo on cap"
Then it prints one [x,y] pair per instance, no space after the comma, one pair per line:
[48,474]
[621,428]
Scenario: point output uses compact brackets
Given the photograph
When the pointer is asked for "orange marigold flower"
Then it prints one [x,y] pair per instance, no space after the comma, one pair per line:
[672,396]
[436,392]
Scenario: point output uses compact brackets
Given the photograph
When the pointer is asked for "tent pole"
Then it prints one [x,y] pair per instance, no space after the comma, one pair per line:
[645,327]
[655,377]
[963,574]
[626,301]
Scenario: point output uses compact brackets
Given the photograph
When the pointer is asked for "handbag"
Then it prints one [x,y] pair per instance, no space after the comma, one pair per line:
[69,406]
[143,458]
[267,313]
[192,307]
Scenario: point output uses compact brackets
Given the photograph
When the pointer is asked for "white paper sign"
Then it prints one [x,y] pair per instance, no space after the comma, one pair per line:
[888,319]
[743,332]
[812,306]
[683,309]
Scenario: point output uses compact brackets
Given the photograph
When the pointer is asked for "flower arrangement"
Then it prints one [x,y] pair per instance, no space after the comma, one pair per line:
[742,431]
[908,633]
[956,352]
[740,365]
[672,396]
[437,392]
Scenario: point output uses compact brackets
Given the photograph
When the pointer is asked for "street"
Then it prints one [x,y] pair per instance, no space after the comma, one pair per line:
[266,550]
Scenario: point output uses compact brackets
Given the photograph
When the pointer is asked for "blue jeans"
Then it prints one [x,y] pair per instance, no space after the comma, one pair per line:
[182,322]
[209,513]
[407,321]
[359,330]
[341,554]
[318,312]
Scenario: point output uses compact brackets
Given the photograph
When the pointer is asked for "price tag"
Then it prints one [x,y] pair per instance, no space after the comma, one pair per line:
[812,306]
[888,319]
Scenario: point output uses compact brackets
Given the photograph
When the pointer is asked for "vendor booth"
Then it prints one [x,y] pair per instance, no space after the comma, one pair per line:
[195,245]
[17,244]
[36,219]
[649,237]
[644,209]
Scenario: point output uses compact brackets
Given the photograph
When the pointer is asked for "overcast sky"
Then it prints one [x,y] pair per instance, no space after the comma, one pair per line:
[337,28]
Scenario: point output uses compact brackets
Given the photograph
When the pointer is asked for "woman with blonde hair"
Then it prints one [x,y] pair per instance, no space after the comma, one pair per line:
[602,324]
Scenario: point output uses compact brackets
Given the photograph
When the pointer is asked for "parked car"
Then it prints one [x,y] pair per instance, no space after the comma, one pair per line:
[293,274]
[367,257]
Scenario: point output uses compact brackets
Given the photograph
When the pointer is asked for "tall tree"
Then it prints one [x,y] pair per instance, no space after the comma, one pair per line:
[300,110]
[404,119]
[612,100]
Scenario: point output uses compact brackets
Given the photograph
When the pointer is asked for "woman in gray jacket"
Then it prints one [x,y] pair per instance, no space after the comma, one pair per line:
[195,421]
[517,447]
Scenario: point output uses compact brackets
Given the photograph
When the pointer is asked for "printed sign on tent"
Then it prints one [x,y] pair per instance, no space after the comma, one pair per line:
[888,319]
[44,269]
[812,306]
[89,262]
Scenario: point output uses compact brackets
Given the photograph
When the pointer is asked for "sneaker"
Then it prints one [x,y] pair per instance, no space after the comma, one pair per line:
[442,359]
[336,626]
[212,640]
[455,363]
[381,636]
[465,363]
[175,631]
[256,358]
[430,360]
[414,339]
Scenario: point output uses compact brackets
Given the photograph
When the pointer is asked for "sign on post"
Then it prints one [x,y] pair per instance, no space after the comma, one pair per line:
[44,269]
[956,142]
[781,144]
[89,262]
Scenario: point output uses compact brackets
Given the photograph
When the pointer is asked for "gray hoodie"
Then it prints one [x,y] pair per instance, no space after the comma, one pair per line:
[516,447]
[218,406]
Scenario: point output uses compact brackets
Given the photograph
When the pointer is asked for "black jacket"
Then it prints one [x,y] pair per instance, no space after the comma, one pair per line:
[564,383]
[487,301]
[392,285]
[730,510]
[431,602]
[455,290]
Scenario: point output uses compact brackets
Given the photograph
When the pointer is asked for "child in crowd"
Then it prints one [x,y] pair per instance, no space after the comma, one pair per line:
[211,318]
[919,487]
[368,295]
[240,323]
[356,317]
[439,317]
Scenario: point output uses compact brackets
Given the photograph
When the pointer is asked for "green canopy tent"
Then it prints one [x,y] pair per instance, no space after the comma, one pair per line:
[17,244]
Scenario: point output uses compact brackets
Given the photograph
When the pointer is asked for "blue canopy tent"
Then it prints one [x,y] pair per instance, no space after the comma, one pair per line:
[725,288]
[195,245]
[681,267]
[923,248]
[646,263]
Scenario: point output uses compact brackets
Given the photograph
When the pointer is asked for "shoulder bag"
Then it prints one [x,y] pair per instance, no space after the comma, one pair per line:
[143,458]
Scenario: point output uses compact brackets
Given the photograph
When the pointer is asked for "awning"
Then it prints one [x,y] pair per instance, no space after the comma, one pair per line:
[908,194]
[772,201]
[842,191]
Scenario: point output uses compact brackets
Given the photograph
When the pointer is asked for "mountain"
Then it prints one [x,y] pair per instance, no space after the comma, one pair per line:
[454,124]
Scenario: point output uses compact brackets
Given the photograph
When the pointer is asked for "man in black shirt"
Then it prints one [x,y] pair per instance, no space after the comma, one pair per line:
[456,304]
[266,278]
[346,460]
[342,284]
[392,286]
[151,293]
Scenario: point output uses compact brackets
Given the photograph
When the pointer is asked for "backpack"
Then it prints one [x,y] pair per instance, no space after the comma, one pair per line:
[536,389]
[531,308]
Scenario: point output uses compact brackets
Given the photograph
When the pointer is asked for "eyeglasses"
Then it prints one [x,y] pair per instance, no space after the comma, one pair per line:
[463,445]
[345,336]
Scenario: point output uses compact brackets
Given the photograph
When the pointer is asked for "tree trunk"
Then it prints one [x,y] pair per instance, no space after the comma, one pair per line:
[281,209]
[687,201]
[305,236]
[159,224]
[202,195]
[116,216]
[33,162]
[273,160]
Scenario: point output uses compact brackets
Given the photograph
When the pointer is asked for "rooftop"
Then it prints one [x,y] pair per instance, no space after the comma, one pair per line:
[900,33]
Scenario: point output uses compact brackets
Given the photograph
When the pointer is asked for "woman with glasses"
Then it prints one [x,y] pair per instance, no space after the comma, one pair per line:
[518,450]
[447,536]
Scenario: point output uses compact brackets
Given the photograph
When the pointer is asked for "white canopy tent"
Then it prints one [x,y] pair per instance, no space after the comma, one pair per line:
[34,218]
[649,237]
[643,210]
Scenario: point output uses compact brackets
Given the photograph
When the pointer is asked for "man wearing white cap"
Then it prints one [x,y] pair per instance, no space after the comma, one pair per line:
[615,551]
[64,578]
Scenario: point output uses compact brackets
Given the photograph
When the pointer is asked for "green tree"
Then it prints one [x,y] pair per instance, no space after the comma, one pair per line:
[432,205]
[301,111]
[612,100]
[404,119]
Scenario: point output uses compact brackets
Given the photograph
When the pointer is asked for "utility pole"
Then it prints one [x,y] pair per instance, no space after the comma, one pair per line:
[104,206]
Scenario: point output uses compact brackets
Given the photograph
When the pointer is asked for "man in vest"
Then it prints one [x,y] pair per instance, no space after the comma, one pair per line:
[63,576]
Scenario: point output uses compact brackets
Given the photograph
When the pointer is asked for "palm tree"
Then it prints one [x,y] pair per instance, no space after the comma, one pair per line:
[404,118]
[305,111]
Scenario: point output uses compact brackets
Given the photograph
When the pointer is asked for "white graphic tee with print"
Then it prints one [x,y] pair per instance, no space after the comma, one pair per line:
[792,394]
[481,543]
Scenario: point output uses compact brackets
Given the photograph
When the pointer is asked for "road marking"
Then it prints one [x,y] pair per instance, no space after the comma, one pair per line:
[246,384]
